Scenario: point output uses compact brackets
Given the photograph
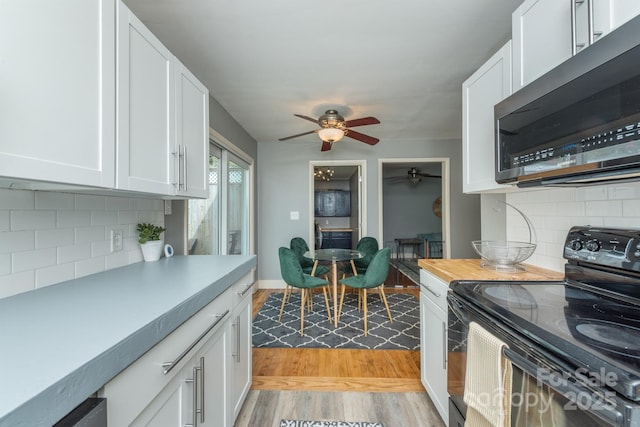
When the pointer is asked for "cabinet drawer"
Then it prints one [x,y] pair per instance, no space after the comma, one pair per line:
[434,288]
[242,288]
[127,398]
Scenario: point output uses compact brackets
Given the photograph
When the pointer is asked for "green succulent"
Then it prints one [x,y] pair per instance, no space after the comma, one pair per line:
[147,232]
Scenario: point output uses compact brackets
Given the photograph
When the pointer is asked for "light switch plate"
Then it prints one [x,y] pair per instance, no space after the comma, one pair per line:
[294,215]
[167,207]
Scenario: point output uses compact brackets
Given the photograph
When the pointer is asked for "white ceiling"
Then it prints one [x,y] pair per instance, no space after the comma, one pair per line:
[400,61]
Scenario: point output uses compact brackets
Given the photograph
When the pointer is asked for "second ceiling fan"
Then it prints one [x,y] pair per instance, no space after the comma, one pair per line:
[333,127]
[413,176]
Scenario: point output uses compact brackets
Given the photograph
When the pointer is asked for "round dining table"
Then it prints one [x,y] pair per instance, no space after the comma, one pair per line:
[334,256]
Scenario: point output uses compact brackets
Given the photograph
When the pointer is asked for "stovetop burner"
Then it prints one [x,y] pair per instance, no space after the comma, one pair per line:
[610,336]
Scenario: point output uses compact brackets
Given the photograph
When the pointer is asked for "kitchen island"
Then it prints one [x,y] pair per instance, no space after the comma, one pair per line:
[62,343]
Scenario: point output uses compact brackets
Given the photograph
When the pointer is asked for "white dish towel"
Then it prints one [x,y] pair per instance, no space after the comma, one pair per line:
[487,382]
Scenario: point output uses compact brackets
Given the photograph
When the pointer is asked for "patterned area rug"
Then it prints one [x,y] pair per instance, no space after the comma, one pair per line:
[292,423]
[402,334]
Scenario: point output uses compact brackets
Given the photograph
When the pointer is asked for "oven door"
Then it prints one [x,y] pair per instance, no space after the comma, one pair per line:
[545,390]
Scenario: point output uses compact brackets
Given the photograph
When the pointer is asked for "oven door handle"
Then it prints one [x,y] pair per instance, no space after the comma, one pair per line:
[457,309]
[582,398]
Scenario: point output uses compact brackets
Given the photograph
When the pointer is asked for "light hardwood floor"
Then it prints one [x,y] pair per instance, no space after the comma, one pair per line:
[336,384]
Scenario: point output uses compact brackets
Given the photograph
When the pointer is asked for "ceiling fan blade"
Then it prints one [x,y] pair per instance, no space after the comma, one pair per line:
[428,175]
[295,136]
[362,137]
[307,118]
[326,146]
[361,122]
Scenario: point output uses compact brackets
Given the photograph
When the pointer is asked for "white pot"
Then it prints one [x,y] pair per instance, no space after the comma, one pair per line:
[152,250]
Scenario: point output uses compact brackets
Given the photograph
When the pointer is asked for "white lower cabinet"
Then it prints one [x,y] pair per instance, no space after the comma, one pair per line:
[433,341]
[199,375]
[240,363]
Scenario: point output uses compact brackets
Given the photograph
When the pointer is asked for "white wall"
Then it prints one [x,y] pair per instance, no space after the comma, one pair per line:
[51,237]
[554,211]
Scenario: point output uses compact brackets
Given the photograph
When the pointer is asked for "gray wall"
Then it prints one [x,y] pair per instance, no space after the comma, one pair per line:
[223,123]
[408,208]
[283,186]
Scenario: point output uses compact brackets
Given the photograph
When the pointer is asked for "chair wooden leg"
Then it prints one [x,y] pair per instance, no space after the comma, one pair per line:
[284,299]
[386,304]
[341,301]
[287,292]
[302,304]
[326,301]
[309,294]
[364,298]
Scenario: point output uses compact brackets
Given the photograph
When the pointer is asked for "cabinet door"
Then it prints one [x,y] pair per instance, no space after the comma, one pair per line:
[192,134]
[213,397]
[240,355]
[325,203]
[170,408]
[541,38]
[623,10]
[146,115]
[433,345]
[342,203]
[480,92]
[57,102]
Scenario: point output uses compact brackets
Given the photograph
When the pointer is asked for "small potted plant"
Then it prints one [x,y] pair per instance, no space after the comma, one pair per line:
[149,239]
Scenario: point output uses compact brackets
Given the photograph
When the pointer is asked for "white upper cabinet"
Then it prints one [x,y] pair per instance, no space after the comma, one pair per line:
[146,109]
[548,32]
[192,134]
[93,99]
[57,91]
[624,10]
[490,84]
[163,117]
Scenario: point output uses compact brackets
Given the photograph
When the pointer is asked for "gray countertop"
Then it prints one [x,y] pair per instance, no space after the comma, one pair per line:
[61,343]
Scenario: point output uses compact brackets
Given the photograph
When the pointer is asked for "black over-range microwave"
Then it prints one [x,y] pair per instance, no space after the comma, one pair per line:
[579,123]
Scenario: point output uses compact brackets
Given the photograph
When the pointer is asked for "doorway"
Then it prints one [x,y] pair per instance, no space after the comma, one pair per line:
[344,181]
[412,205]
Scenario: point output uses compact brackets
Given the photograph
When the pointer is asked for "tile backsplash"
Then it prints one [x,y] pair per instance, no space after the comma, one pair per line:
[554,210]
[50,237]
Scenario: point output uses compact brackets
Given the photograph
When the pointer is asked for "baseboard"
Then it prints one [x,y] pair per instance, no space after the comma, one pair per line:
[271,284]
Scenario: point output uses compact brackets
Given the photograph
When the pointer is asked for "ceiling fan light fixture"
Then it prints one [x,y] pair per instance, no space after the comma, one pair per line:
[330,134]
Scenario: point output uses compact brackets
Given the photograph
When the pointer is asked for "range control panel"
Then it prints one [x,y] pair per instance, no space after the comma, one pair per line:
[611,247]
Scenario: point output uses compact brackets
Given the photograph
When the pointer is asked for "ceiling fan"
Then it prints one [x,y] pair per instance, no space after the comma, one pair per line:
[333,127]
[413,175]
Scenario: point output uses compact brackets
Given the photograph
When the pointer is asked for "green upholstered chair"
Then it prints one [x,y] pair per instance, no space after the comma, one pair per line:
[374,277]
[294,276]
[368,246]
[299,246]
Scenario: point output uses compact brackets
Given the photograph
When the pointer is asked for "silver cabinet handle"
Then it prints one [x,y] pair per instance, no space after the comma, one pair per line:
[246,289]
[174,182]
[168,366]
[444,345]
[184,159]
[428,288]
[590,20]
[202,400]
[574,35]
[236,348]
[198,385]
[180,167]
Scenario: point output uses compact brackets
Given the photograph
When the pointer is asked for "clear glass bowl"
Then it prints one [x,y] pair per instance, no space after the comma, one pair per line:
[503,253]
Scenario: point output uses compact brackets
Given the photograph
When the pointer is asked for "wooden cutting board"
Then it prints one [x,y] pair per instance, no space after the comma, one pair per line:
[470,269]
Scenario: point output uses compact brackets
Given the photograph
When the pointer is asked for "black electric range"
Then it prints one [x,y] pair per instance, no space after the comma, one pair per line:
[586,327]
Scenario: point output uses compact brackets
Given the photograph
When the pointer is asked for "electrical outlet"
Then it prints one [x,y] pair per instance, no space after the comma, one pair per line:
[117,235]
